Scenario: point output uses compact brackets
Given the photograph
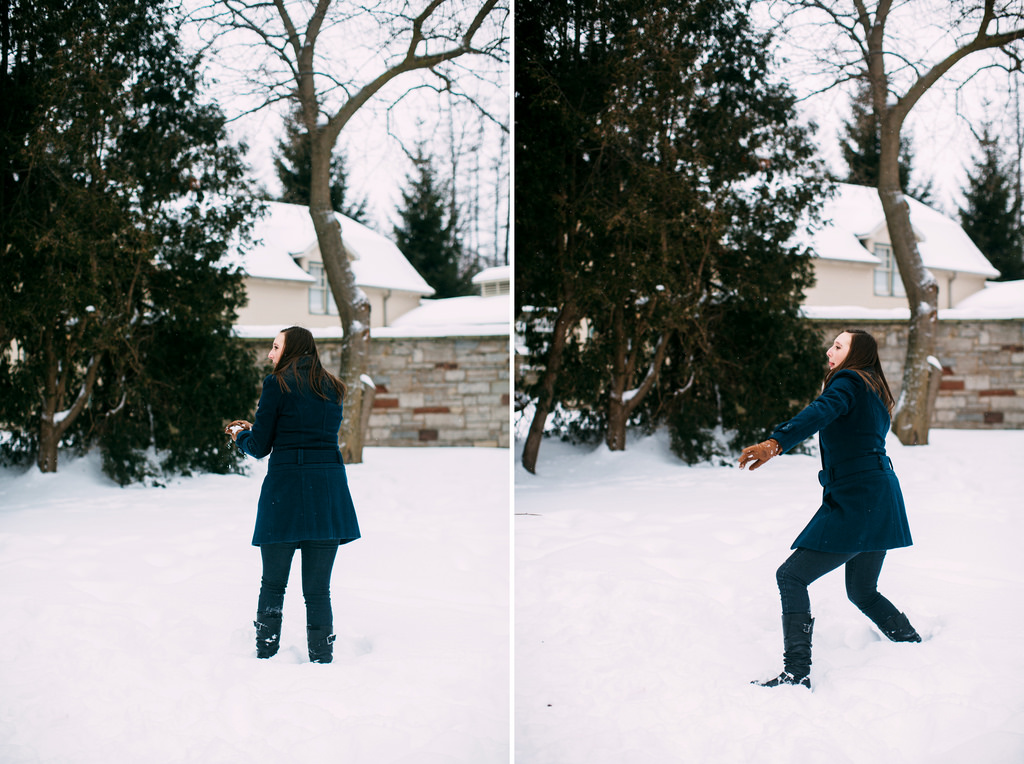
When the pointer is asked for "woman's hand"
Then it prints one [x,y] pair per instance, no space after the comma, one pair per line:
[236,427]
[757,455]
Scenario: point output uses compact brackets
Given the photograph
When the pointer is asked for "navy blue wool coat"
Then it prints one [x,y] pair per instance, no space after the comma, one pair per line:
[862,505]
[305,495]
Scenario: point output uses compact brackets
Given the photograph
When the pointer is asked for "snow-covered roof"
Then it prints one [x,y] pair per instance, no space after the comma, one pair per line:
[286,232]
[473,316]
[497,273]
[855,213]
[998,300]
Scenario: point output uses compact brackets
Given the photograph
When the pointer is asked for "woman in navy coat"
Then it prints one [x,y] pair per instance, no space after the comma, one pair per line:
[861,514]
[305,502]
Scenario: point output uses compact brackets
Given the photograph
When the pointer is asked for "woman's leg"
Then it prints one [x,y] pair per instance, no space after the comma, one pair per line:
[862,588]
[804,567]
[793,576]
[317,564]
[277,563]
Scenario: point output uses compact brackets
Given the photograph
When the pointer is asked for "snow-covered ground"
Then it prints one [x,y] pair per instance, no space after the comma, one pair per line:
[125,621]
[646,602]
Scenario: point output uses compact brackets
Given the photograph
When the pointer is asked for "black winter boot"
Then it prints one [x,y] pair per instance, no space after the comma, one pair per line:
[898,629]
[320,643]
[268,634]
[796,639]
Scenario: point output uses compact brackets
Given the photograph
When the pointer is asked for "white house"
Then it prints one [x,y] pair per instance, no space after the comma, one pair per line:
[855,267]
[286,283]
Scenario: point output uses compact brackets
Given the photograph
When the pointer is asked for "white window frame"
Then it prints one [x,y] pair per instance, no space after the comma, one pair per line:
[321,301]
[887,279]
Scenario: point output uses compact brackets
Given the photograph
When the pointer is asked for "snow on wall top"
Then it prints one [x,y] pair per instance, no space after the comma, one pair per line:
[855,212]
[473,316]
[286,232]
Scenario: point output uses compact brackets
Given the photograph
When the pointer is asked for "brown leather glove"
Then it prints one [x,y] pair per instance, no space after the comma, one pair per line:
[757,455]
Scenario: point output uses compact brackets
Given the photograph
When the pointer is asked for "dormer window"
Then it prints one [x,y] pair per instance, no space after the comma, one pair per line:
[887,274]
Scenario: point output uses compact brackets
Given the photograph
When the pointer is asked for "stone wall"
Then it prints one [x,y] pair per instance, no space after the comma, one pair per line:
[440,391]
[982,361]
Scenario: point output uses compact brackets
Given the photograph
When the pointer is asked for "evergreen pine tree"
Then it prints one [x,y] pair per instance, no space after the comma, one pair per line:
[861,148]
[115,307]
[992,216]
[292,164]
[428,233]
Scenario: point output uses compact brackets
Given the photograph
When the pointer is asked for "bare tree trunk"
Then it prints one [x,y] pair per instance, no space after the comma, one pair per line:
[564,323]
[53,425]
[620,403]
[622,373]
[353,306]
[912,417]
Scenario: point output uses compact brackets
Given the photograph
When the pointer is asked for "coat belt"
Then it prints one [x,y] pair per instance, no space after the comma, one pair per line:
[306,456]
[853,466]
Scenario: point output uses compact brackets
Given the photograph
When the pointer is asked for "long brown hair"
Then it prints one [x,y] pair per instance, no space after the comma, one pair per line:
[299,344]
[863,359]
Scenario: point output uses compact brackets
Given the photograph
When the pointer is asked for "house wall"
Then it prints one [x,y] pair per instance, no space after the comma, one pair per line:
[432,391]
[275,301]
[842,282]
[386,305]
[982,361]
[957,286]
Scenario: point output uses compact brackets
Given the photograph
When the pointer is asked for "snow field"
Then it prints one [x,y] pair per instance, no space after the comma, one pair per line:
[127,620]
[646,603]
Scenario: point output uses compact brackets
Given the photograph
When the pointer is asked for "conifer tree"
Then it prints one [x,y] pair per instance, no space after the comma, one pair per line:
[428,231]
[115,307]
[292,162]
[991,216]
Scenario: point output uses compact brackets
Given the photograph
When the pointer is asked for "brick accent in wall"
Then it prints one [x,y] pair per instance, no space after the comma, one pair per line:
[982,384]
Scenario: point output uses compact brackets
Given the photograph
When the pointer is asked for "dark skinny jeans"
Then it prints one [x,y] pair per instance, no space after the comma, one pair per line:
[317,563]
[805,566]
